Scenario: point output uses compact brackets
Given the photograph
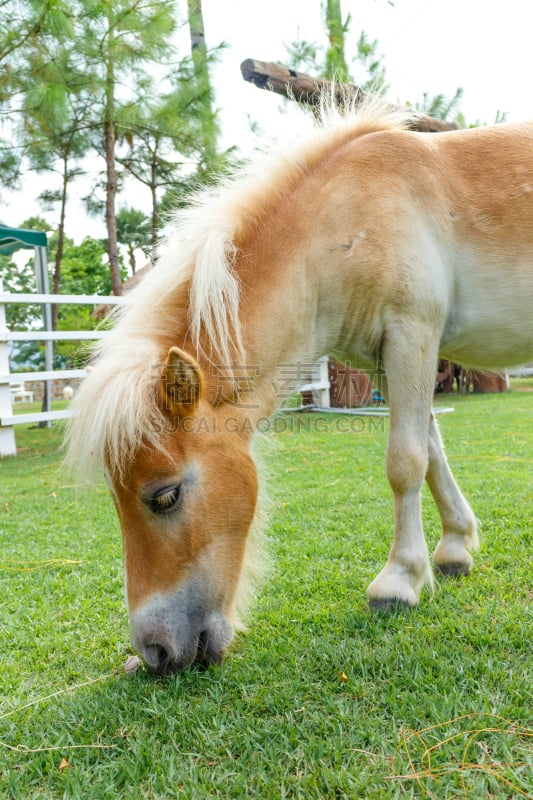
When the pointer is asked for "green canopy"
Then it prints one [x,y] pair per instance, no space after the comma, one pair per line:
[12,239]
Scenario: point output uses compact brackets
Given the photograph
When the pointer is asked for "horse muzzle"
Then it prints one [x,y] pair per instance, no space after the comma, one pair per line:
[170,640]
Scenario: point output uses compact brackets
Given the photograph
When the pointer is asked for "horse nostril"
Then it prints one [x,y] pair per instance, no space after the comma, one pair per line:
[173,645]
[201,653]
[157,657]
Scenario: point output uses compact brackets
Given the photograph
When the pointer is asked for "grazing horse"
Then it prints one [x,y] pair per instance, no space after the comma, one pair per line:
[364,240]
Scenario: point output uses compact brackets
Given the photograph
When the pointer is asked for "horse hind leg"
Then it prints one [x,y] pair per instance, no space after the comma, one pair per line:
[459,530]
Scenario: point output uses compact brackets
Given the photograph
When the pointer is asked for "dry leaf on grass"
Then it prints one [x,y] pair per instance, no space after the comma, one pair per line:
[132,665]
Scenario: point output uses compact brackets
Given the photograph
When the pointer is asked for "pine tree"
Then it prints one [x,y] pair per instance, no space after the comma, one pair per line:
[121,39]
[134,232]
[333,62]
[104,76]
[26,32]
[162,136]
[54,134]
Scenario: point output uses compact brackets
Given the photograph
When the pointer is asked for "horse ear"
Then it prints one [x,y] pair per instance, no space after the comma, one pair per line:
[181,384]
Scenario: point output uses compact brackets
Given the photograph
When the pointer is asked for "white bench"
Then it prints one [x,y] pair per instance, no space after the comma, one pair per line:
[19,393]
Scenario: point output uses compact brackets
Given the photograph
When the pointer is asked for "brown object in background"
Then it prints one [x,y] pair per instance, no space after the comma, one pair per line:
[349,388]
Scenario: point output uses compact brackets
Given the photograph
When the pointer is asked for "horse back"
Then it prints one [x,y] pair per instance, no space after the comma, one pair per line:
[440,227]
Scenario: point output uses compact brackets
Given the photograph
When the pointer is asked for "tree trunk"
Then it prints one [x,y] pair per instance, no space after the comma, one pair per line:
[196,27]
[155,213]
[201,70]
[60,242]
[307,89]
[335,57]
[110,216]
[111,174]
[131,257]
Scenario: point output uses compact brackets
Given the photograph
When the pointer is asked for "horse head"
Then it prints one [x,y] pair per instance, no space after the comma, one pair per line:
[185,507]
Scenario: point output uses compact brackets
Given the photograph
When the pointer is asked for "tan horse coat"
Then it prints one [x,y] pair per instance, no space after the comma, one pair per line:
[366,241]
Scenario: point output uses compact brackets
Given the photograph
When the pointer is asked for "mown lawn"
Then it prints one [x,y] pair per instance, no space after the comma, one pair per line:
[320,698]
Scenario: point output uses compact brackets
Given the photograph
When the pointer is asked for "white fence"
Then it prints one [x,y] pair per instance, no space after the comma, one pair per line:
[7,418]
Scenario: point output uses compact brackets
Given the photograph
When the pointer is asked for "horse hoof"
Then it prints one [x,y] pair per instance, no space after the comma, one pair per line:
[455,569]
[389,604]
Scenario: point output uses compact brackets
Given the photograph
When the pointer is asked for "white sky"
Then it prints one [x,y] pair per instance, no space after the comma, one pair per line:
[433,46]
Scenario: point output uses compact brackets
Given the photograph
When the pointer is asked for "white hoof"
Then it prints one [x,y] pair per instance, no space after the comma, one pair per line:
[396,585]
[452,556]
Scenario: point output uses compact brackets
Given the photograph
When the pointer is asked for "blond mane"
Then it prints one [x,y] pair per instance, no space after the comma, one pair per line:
[115,408]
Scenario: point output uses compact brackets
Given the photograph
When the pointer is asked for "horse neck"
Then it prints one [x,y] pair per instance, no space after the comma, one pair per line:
[283,336]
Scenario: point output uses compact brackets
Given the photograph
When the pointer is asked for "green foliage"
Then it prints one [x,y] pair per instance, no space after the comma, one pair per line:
[334,62]
[441,107]
[371,61]
[161,137]
[84,267]
[93,76]
[10,166]
[133,231]
[23,24]
[18,277]
[304,55]
[365,68]
[42,68]
[319,698]
[84,271]
[69,355]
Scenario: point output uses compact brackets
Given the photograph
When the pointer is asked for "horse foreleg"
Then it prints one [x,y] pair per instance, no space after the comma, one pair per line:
[459,533]
[408,566]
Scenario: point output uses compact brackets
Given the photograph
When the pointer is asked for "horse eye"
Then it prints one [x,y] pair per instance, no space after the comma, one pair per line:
[165,499]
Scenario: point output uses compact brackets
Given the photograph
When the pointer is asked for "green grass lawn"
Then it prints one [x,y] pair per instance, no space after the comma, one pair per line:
[320,698]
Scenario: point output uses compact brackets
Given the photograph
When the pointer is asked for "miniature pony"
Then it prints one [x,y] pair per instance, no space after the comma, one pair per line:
[365,241]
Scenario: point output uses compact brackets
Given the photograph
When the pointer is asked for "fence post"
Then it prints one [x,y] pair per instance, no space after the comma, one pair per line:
[43,287]
[325,399]
[7,434]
